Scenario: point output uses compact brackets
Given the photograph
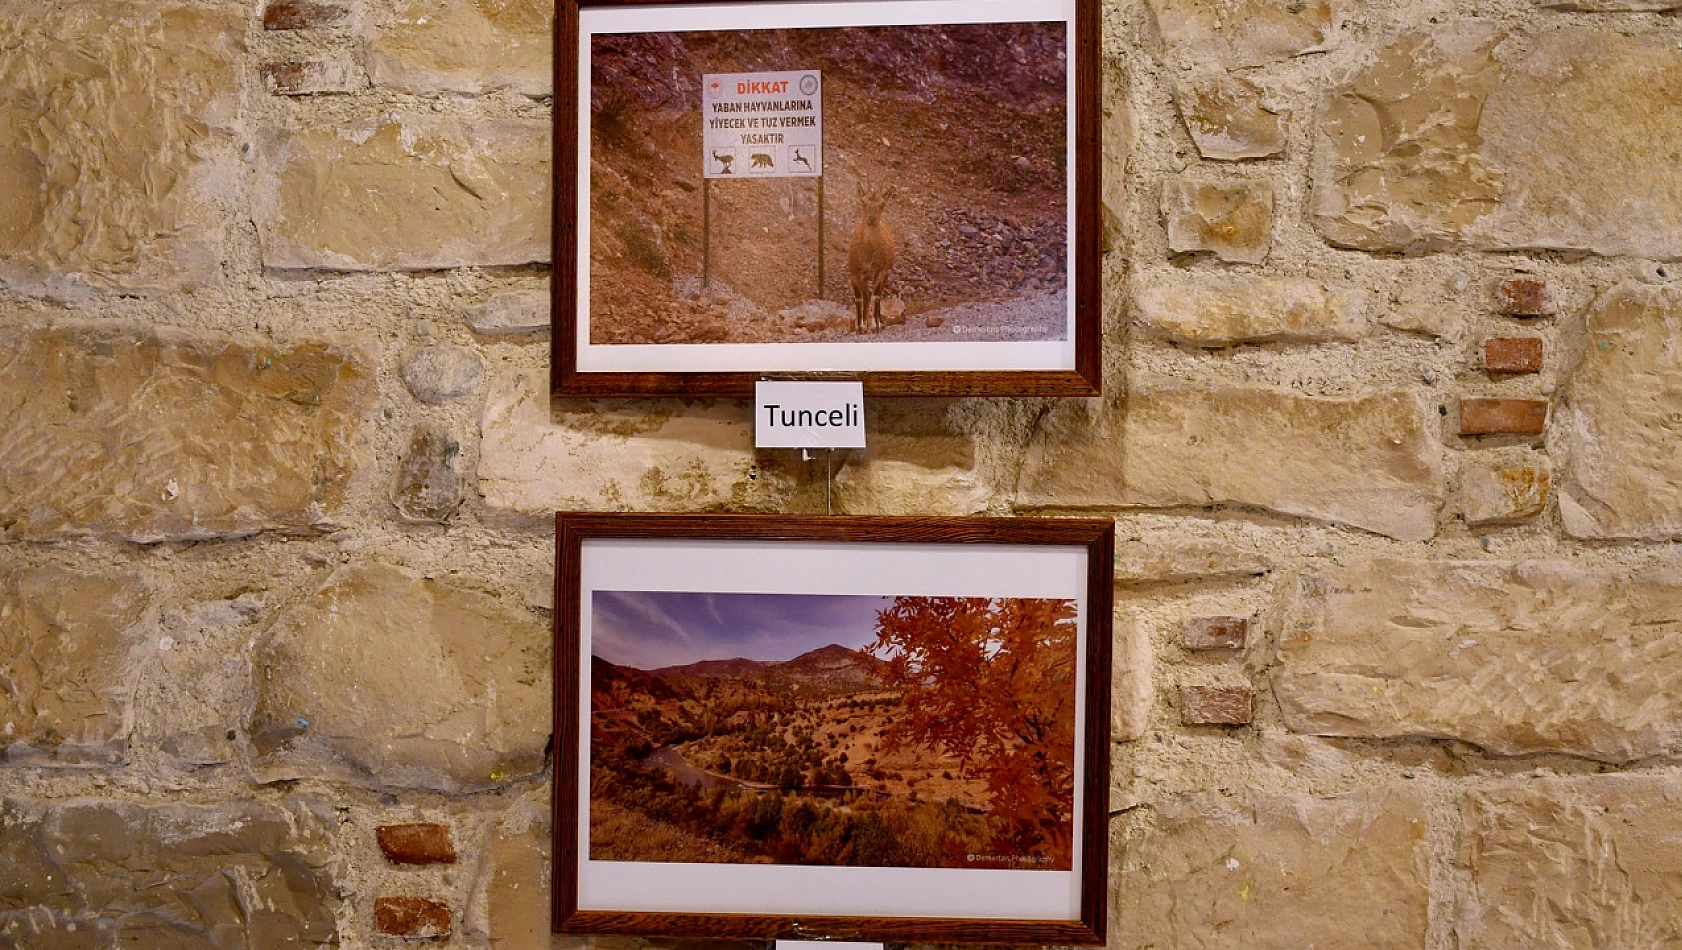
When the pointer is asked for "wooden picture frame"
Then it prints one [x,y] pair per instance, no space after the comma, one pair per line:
[644,842]
[977,124]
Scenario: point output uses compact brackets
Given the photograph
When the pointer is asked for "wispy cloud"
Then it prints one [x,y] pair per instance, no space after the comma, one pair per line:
[651,629]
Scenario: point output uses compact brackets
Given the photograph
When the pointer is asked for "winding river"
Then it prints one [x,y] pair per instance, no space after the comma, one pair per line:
[669,758]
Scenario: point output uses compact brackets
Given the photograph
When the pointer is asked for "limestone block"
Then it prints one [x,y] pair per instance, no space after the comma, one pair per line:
[1620,421]
[1599,853]
[388,679]
[510,314]
[118,167]
[1398,164]
[151,435]
[1132,689]
[1228,119]
[1367,461]
[428,487]
[1169,561]
[1245,32]
[610,455]
[195,682]
[1515,657]
[1448,141]
[65,691]
[471,48]
[1233,221]
[920,459]
[1115,146]
[509,902]
[103,873]
[1613,6]
[1268,871]
[1584,129]
[1432,318]
[1504,487]
[440,374]
[404,193]
[1225,310]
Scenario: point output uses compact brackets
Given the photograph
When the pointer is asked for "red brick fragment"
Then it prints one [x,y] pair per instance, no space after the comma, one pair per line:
[414,917]
[1524,297]
[288,79]
[1216,705]
[303,15]
[421,842]
[1513,354]
[1503,416]
[1214,633]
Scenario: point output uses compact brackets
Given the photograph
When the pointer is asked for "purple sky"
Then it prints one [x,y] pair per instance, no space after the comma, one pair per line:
[651,629]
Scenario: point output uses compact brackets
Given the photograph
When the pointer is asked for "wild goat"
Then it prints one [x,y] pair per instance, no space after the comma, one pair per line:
[870,256]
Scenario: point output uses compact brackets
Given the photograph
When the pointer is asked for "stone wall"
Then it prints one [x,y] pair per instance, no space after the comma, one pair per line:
[1393,352]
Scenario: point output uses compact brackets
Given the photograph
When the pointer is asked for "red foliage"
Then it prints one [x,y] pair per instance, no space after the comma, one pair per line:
[992,682]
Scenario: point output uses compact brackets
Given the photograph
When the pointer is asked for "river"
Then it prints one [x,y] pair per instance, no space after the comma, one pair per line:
[669,758]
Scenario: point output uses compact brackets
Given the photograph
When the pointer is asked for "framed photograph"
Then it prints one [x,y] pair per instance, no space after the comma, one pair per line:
[832,727]
[899,191]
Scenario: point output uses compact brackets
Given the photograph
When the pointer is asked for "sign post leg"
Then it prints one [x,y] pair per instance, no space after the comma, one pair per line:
[820,237]
[706,233]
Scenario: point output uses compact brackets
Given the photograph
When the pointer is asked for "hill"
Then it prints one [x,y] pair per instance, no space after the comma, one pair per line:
[828,667]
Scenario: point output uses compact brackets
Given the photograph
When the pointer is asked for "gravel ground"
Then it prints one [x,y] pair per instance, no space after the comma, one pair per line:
[1040,316]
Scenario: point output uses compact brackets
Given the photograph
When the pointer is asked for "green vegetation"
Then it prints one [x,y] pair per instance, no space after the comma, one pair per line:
[783,826]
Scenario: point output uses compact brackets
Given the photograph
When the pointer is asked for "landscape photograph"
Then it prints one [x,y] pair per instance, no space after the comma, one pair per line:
[944,189]
[832,730]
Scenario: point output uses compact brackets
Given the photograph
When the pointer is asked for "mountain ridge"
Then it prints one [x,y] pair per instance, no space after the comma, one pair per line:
[831,664]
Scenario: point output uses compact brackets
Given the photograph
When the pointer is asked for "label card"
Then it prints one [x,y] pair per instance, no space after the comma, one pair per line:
[808,415]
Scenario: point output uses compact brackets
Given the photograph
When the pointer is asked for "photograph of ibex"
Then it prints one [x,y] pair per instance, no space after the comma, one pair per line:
[916,206]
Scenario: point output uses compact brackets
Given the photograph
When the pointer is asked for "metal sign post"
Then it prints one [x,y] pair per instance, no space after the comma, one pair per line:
[820,237]
[811,416]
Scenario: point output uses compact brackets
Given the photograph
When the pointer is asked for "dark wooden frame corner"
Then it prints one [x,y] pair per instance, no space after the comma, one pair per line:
[1095,537]
[1082,379]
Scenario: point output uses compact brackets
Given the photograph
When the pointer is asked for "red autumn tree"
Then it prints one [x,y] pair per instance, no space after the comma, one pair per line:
[992,683]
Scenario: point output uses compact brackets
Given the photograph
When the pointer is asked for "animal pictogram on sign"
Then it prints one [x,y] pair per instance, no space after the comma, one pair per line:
[799,155]
[723,159]
[762,160]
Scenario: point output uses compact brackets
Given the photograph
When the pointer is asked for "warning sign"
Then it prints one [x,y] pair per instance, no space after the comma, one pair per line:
[766,125]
